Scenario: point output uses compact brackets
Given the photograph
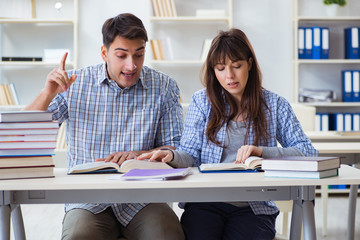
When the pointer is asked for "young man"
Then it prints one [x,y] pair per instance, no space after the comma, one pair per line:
[115,111]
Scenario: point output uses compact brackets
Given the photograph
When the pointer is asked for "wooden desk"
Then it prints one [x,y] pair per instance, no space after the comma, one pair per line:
[197,187]
[346,146]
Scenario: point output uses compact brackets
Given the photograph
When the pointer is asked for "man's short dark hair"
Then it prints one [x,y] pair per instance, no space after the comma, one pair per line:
[124,25]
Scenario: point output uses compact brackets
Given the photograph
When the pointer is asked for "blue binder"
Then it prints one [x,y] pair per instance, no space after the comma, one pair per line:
[316,42]
[356,122]
[347,86]
[352,43]
[301,43]
[355,86]
[348,122]
[339,122]
[325,42]
[308,43]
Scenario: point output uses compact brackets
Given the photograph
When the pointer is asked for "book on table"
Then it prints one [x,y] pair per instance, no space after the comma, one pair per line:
[302,174]
[301,163]
[103,167]
[27,172]
[35,131]
[27,137]
[29,125]
[27,152]
[26,161]
[27,144]
[25,116]
[156,174]
[251,164]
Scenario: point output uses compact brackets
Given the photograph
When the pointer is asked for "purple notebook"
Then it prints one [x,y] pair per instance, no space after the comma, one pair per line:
[164,174]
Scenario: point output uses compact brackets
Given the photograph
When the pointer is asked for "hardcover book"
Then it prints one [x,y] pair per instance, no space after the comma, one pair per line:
[302,174]
[300,163]
[102,167]
[25,116]
[252,163]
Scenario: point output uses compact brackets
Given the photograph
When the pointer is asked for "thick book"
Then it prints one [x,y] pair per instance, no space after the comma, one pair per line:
[25,116]
[302,174]
[6,162]
[251,164]
[29,125]
[156,174]
[29,137]
[301,163]
[35,131]
[27,144]
[102,167]
[26,152]
[27,172]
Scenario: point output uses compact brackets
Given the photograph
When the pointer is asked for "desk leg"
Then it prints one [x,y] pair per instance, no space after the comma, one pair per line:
[5,222]
[296,220]
[17,222]
[309,220]
[351,212]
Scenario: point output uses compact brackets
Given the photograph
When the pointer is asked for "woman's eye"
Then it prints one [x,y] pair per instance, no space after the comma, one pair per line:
[237,66]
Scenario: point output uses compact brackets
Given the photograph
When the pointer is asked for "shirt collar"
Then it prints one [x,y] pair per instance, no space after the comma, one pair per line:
[104,77]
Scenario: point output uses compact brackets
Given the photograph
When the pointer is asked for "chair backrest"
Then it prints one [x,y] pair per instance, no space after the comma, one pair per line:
[305,115]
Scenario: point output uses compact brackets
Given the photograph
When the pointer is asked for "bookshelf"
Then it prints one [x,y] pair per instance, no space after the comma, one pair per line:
[45,27]
[324,74]
[184,34]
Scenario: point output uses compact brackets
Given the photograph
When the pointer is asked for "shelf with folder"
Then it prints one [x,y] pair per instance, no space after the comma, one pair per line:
[311,72]
[183,36]
[48,30]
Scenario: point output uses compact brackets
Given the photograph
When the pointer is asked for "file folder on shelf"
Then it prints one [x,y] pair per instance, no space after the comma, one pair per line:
[316,42]
[308,43]
[325,43]
[301,42]
[355,86]
[352,43]
[347,86]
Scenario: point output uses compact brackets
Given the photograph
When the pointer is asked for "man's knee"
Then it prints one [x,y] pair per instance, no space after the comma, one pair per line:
[79,224]
[157,220]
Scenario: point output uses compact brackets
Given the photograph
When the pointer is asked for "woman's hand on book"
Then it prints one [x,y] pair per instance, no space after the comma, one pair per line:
[246,151]
[157,155]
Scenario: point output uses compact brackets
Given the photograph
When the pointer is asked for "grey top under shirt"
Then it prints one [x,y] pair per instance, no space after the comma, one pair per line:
[235,138]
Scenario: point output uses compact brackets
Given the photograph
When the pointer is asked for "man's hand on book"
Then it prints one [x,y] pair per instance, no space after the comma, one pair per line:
[246,151]
[157,155]
[120,157]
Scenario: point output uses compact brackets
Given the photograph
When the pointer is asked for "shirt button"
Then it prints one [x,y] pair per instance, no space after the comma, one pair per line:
[117,139]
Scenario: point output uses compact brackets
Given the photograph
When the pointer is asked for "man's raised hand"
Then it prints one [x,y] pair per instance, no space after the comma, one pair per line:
[57,80]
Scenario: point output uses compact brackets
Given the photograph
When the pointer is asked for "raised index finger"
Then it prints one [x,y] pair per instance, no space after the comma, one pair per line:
[62,62]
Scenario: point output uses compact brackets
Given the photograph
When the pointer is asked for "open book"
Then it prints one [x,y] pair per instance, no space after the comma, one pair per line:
[101,167]
[251,164]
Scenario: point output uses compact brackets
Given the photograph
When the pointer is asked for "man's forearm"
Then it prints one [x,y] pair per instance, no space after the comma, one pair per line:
[41,102]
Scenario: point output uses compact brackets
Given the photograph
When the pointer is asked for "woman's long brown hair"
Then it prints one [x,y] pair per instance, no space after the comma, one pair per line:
[235,45]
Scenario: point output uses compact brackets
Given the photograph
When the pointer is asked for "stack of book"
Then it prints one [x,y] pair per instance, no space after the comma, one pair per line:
[301,167]
[27,144]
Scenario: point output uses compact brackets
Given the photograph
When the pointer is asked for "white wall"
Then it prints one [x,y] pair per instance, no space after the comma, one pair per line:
[267,24]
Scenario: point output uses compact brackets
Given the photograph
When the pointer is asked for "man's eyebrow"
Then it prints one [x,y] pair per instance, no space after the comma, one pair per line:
[126,50]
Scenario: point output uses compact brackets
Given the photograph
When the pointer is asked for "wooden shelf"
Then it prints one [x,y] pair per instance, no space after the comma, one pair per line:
[35,63]
[327,19]
[328,61]
[189,19]
[35,20]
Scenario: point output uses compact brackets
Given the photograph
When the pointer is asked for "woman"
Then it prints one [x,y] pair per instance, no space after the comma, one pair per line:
[232,119]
